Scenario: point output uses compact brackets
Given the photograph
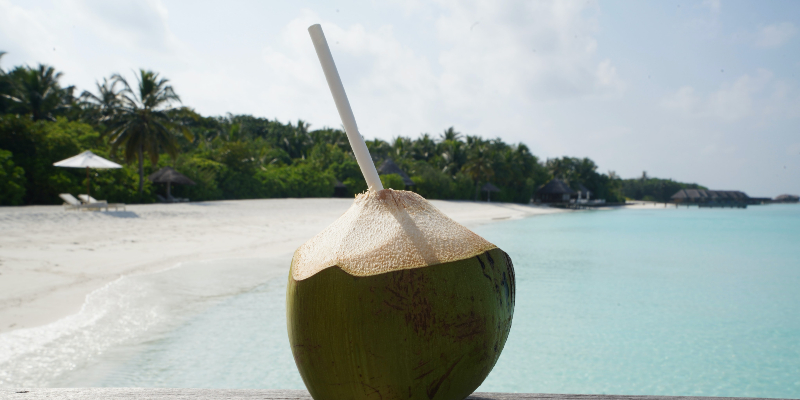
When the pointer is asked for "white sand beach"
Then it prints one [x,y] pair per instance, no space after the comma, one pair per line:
[50,259]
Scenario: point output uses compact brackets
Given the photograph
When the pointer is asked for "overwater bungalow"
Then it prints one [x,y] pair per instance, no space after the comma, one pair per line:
[390,167]
[713,198]
[555,191]
[787,198]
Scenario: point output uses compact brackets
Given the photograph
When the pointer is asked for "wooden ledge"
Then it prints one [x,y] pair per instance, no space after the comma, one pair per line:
[246,394]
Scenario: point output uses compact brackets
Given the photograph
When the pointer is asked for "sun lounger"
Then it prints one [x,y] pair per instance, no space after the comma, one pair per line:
[170,199]
[86,199]
[71,203]
[176,199]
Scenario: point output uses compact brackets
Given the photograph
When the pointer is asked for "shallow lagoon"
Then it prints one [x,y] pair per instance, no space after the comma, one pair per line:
[656,302]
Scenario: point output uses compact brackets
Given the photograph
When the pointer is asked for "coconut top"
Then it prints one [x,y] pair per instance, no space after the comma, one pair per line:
[386,231]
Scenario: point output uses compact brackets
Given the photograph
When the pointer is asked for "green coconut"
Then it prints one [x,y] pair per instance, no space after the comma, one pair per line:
[395,300]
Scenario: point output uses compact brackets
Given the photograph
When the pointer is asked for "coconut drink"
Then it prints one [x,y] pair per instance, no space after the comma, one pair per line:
[395,300]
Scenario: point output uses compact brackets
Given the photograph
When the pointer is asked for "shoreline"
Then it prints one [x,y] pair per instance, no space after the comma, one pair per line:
[51,259]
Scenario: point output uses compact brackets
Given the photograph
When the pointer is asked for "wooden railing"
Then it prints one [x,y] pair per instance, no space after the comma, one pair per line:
[252,394]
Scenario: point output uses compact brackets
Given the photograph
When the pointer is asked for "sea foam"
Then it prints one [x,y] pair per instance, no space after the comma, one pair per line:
[123,313]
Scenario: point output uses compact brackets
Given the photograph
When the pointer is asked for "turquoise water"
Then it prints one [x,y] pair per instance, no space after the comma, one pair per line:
[649,302]
[664,302]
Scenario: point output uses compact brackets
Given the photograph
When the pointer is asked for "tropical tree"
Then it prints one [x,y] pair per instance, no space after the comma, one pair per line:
[105,103]
[424,148]
[5,87]
[480,162]
[379,149]
[450,134]
[296,142]
[36,91]
[142,123]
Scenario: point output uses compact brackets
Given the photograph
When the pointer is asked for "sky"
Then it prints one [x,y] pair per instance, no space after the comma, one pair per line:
[696,91]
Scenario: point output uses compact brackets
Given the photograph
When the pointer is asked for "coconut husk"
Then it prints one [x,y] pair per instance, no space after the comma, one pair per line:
[387,230]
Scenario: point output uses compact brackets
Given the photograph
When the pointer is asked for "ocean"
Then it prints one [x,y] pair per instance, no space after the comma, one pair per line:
[702,302]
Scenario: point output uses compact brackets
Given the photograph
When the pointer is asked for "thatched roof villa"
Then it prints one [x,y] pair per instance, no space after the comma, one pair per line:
[390,167]
[713,198]
[787,198]
[555,191]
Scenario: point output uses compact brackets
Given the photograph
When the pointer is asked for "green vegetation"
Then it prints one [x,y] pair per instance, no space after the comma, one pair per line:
[236,156]
[584,171]
[654,189]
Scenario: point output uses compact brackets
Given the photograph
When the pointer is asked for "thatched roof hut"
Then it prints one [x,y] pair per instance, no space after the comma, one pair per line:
[555,191]
[390,167]
[787,198]
[488,187]
[169,175]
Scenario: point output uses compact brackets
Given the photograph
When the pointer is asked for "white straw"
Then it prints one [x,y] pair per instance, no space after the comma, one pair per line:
[345,112]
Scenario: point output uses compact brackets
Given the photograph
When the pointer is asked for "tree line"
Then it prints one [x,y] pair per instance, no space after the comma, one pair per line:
[143,125]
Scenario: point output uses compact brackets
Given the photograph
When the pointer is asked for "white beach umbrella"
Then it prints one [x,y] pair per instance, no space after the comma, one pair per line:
[87,160]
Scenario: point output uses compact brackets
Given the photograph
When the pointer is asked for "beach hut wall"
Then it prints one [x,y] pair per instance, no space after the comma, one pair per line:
[390,167]
[583,192]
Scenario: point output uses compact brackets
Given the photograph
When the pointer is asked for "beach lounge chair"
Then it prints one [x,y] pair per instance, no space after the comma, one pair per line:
[170,199]
[176,199]
[71,203]
[86,199]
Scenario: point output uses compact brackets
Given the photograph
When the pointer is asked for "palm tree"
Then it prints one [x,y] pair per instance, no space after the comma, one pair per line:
[401,147]
[450,134]
[424,148]
[480,163]
[141,123]
[36,91]
[107,101]
[297,141]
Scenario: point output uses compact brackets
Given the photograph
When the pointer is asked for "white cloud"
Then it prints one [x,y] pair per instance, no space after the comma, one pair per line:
[684,100]
[90,39]
[486,74]
[757,95]
[528,50]
[714,6]
[775,35]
